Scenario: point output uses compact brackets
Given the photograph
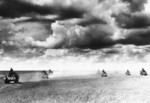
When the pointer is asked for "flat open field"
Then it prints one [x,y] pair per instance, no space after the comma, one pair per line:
[83,89]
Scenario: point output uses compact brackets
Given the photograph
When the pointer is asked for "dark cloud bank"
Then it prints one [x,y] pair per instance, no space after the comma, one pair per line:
[31,27]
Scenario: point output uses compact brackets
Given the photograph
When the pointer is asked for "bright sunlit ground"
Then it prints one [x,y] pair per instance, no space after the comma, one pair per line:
[116,88]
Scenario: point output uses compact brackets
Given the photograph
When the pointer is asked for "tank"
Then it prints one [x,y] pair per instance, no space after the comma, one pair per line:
[103,74]
[12,77]
[128,73]
[46,74]
[143,73]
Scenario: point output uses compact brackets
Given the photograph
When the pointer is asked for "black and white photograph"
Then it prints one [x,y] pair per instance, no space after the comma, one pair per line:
[74,51]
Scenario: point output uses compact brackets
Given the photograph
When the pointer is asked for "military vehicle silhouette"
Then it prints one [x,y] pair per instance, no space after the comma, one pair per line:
[143,72]
[12,77]
[128,72]
[104,74]
[46,73]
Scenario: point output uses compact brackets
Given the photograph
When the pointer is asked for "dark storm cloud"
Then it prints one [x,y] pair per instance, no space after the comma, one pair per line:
[136,5]
[132,21]
[66,13]
[34,19]
[136,37]
[10,48]
[11,38]
[93,36]
[111,51]
[99,36]
[91,21]
[18,8]
[94,28]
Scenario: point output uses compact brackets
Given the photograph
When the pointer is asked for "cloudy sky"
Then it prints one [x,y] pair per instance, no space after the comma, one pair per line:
[74,34]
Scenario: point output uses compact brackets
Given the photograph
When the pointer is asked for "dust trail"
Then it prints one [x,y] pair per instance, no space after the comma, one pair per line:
[33,76]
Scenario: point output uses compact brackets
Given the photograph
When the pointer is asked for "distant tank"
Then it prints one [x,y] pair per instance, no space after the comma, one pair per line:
[103,74]
[143,72]
[46,73]
[12,77]
[128,72]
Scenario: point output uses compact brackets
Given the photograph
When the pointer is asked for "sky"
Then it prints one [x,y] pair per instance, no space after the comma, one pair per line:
[74,35]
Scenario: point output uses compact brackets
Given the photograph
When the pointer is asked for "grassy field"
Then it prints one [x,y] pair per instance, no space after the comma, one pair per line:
[87,89]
